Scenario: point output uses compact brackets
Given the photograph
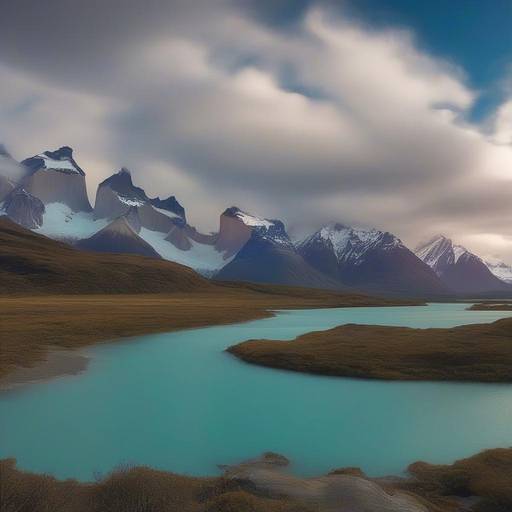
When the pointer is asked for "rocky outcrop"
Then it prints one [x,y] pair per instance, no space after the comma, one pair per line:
[24,209]
[181,235]
[170,205]
[233,233]
[178,236]
[117,195]
[132,217]
[55,177]
[118,237]
[154,220]
[268,475]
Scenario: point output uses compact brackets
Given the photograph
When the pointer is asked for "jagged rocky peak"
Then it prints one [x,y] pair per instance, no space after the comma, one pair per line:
[237,227]
[460,269]
[440,252]
[171,204]
[60,160]
[348,243]
[55,177]
[24,209]
[117,194]
[121,182]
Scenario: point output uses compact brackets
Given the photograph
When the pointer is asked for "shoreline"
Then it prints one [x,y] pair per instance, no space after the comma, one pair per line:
[260,484]
[58,363]
[478,353]
[34,329]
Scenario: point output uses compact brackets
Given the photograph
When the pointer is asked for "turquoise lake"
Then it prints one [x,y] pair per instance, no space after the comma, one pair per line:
[177,401]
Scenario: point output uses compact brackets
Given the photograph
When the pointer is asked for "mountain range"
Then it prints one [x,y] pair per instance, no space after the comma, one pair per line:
[47,193]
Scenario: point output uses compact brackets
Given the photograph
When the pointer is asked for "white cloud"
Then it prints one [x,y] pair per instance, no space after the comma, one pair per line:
[328,121]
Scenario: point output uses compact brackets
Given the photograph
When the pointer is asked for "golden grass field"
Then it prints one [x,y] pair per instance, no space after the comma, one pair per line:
[31,325]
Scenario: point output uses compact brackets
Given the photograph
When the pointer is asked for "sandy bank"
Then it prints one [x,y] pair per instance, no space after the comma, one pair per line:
[58,363]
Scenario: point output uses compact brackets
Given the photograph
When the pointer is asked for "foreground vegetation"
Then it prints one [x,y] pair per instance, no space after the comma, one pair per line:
[486,479]
[477,353]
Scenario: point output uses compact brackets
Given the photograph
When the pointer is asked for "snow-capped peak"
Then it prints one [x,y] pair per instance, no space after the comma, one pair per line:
[441,251]
[270,229]
[121,183]
[59,160]
[499,268]
[252,220]
[349,243]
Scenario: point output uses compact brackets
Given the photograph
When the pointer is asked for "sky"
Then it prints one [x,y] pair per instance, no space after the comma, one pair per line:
[375,113]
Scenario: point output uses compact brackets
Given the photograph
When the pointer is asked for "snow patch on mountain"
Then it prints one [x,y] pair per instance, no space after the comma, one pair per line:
[57,165]
[499,268]
[168,213]
[62,223]
[252,220]
[129,201]
[459,251]
[203,258]
[350,244]
[441,251]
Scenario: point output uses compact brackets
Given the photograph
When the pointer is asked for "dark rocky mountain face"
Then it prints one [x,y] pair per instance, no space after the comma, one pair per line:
[470,275]
[60,160]
[122,183]
[55,177]
[263,260]
[170,204]
[117,195]
[460,270]
[369,260]
[24,209]
[118,237]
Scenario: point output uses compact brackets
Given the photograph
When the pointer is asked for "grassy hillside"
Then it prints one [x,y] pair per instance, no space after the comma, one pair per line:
[69,298]
[33,264]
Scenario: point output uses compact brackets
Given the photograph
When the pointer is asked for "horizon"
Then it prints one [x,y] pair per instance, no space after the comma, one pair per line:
[373,114]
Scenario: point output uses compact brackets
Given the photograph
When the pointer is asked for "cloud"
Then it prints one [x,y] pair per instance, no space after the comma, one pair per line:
[326,120]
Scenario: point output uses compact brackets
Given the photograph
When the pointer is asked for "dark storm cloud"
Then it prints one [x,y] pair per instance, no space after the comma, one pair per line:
[276,106]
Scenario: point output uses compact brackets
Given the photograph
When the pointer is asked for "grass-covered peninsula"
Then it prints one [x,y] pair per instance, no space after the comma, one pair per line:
[477,353]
